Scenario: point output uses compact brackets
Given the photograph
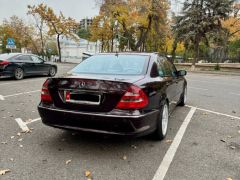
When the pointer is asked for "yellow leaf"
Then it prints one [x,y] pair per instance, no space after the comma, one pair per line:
[87,173]
[4,171]
[68,161]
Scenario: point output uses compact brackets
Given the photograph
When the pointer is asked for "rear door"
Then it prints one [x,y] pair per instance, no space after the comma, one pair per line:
[39,65]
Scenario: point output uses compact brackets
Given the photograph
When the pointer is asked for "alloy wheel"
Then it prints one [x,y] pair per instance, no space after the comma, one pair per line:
[165,116]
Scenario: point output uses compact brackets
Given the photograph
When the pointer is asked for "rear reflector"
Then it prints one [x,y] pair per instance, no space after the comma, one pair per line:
[45,95]
[134,98]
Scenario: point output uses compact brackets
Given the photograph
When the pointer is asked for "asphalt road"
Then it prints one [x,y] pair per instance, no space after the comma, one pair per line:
[203,140]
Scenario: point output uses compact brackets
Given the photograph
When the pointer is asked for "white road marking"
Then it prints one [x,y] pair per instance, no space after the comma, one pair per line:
[165,164]
[2,98]
[17,94]
[34,120]
[10,83]
[235,94]
[198,88]
[214,112]
[22,124]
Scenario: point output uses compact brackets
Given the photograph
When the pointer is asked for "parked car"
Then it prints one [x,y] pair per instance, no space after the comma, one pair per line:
[19,65]
[128,94]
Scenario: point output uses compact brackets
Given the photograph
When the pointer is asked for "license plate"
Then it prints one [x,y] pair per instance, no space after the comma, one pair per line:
[79,97]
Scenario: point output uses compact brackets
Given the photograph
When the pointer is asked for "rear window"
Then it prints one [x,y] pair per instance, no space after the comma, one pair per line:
[6,56]
[113,64]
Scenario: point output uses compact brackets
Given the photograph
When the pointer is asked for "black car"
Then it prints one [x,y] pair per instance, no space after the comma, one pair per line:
[19,65]
[128,94]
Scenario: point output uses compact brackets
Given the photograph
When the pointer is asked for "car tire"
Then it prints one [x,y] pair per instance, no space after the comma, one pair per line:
[162,122]
[18,73]
[52,72]
[183,98]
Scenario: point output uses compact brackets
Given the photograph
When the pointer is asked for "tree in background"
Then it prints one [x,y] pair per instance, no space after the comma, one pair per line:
[200,18]
[138,24]
[23,34]
[84,33]
[39,24]
[57,24]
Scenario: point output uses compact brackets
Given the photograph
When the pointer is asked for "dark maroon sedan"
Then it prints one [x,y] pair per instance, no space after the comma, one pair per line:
[121,94]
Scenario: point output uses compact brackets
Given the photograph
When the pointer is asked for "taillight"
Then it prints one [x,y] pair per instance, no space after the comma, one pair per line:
[4,62]
[134,98]
[45,95]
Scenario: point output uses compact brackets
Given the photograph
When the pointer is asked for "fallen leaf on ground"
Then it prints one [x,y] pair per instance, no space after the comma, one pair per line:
[169,141]
[87,173]
[124,157]
[4,171]
[68,161]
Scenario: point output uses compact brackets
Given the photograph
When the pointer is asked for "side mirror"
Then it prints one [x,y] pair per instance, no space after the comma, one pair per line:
[182,73]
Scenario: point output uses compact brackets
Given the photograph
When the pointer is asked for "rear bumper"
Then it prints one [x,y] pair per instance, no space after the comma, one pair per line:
[4,74]
[105,123]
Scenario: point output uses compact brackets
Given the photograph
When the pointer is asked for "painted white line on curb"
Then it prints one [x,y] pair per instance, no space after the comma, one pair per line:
[214,112]
[17,94]
[198,88]
[22,124]
[34,120]
[165,164]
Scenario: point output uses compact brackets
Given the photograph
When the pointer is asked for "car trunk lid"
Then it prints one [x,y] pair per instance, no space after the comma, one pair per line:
[88,93]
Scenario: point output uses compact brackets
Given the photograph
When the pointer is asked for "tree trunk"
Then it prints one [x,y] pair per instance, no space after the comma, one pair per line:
[143,34]
[174,48]
[59,48]
[196,54]
[42,44]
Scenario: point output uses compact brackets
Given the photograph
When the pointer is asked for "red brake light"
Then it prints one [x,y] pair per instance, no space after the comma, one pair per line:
[134,98]
[45,95]
[4,63]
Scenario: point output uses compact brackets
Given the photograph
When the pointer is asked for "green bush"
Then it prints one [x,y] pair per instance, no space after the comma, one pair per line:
[217,67]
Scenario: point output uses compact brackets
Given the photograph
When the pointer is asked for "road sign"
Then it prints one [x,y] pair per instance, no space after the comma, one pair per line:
[10,42]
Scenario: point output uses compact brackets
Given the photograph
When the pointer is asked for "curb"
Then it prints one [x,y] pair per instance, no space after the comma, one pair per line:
[217,73]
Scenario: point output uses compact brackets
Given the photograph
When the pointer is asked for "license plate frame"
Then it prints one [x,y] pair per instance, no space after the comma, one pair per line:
[68,93]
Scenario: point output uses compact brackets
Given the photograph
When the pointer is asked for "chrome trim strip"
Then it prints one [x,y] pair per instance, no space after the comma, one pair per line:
[97,114]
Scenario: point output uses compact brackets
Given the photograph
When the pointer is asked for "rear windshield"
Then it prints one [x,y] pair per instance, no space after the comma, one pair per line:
[113,64]
[6,56]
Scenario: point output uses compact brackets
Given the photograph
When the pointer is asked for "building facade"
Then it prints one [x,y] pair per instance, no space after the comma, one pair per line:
[72,51]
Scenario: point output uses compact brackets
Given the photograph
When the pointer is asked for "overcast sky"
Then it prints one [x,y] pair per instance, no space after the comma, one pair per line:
[77,9]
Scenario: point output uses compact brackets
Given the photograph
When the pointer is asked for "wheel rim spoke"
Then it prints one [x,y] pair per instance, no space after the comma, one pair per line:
[164,119]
